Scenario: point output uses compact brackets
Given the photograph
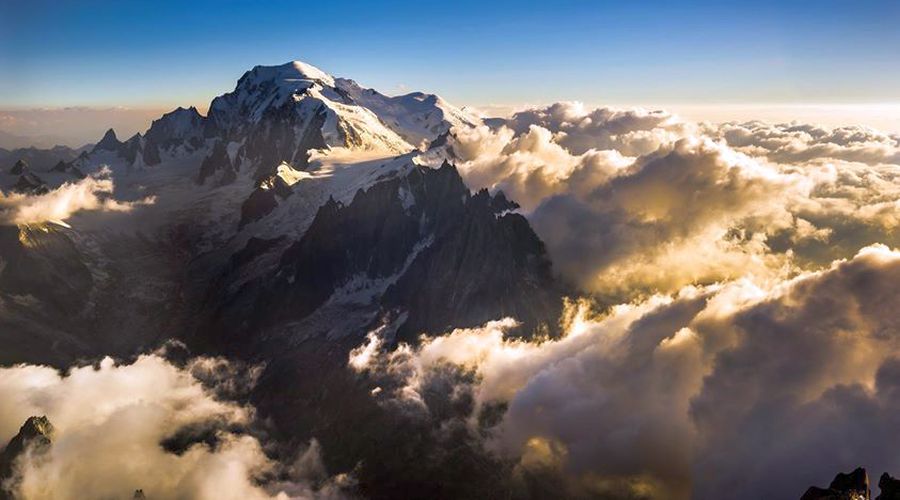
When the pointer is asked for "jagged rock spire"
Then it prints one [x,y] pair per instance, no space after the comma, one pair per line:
[19,168]
[849,486]
[36,434]
[109,142]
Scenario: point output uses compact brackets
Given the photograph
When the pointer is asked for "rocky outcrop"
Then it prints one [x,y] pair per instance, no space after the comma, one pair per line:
[63,167]
[29,183]
[267,194]
[217,161]
[183,126]
[135,148]
[34,435]
[889,486]
[426,250]
[19,168]
[150,153]
[36,159]
[132,148]
[42,264]
[260,203]
[486,264]
[284,137]
[849,486]
[109,142]
[855,486]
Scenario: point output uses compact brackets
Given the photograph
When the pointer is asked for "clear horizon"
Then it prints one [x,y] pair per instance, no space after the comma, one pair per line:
[162,55]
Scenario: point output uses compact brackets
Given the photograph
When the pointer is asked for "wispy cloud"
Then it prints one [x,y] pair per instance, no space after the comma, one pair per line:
[91,193]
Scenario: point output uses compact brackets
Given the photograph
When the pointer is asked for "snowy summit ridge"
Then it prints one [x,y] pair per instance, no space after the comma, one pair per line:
[348,115]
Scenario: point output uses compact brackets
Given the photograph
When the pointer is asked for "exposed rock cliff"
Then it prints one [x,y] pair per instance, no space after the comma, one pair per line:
[35,435]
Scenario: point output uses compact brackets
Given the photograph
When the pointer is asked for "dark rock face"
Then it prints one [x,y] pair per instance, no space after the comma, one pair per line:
[150,153]
[109,142]
[264,198]
[890,487]
[41,263]
[280,135]
[438,257]
[63,167]
[431,256]
[485,265]
[19,168]
[181,126]
[145,148]
[131,148]
[445,258]
[30,183]
[260,203]
[217,161]
[38,159]
[44,263]
[849,486]
[35,434]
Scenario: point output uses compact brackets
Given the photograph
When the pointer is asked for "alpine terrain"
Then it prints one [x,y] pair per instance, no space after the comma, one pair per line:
[300,214]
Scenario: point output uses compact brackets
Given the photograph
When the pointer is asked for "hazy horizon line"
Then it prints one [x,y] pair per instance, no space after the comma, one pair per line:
[77,125]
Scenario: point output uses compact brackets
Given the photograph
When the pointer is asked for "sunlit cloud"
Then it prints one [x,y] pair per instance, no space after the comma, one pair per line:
[673,396]
[93,193]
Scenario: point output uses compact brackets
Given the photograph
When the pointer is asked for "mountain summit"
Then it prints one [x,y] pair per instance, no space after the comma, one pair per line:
[297,105]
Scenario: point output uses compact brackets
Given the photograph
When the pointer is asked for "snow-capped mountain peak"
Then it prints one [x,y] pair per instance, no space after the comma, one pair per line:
[417,117]
[278,120]
[300,96]
[288,73]
[266,87]
[109,142]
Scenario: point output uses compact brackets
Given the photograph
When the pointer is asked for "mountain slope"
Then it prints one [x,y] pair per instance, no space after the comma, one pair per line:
[416,247]
[302,213]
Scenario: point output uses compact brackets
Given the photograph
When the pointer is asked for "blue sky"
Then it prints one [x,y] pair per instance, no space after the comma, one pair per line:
[165,53]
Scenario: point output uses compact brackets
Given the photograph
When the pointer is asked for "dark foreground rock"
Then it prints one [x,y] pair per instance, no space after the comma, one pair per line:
[35,434]
[850,486]
[890,487]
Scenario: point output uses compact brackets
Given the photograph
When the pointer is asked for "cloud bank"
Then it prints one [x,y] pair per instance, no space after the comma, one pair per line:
[91,193]
[635,202]
[756,391]
[739,333]
[149,425]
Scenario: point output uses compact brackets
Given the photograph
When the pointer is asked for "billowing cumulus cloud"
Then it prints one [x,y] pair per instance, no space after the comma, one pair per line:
[91,193]
[740,337]
[148,425]
[633,202]
[632,132]
[758,391]
[530,167]
[786,143]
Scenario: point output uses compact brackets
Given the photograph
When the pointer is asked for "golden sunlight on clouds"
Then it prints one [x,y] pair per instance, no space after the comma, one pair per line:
[649,391]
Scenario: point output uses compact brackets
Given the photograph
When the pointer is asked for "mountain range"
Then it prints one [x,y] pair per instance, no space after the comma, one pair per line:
[302,212]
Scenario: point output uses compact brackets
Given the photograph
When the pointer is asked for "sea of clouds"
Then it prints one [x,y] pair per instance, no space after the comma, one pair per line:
[737,335]
[741,339]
